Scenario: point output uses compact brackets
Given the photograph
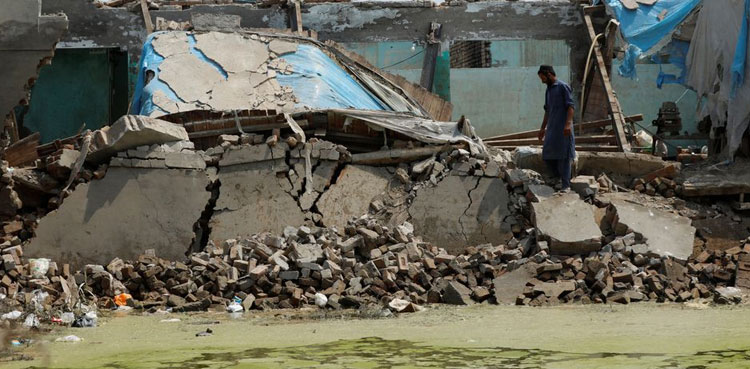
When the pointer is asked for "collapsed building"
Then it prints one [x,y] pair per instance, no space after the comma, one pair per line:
[268,166]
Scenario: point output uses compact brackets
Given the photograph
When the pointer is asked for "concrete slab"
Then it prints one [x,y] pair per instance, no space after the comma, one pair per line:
[665,233]
[280,47]
[203,76]
[252,200]
[568,224]
[234,52]
[462,211]
[171,43]
[351,195]
[510,285]
[122,215]
[131,131]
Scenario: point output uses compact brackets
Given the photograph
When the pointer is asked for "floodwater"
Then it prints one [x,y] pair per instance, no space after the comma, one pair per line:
[595,336]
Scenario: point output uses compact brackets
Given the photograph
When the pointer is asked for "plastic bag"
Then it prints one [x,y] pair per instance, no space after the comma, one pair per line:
[39,267]
[38,299]
[321,300]
[13,315]
[31,321]
[87,320]
[70,338]
[234,307]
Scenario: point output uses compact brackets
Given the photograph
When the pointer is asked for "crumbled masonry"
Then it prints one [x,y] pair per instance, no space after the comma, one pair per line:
[494,236]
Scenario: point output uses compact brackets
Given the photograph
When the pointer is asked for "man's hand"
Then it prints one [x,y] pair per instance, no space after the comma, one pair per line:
[541,134]
[568,130]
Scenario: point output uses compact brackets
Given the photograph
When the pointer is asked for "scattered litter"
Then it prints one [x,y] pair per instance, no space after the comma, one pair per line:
[67,318]
[122,299]
[13,315]
[31,321]
[39,267]
[70,338]
[207,332]
[87,320]
[321,300]
[234,307]
[172,320]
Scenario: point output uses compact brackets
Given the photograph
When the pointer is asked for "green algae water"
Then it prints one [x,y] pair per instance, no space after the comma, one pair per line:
[374,352]
[581,337]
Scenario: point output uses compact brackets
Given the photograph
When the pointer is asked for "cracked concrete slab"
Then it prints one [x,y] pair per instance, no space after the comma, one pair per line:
[122,215]
[171,43]
[351,195]
[664,233]
[232,51]
[174,71]
[238,90]
[280,47]
[462,211]
[568,224]
[252,199]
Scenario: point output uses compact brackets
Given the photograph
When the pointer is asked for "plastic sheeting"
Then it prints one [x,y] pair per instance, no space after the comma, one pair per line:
[643,30]
[676,54]
[713,50]
[421,129]
[740,52]
[320,83]
[150,60]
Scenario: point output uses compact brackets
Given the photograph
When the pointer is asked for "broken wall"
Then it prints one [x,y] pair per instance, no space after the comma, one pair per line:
[27,39]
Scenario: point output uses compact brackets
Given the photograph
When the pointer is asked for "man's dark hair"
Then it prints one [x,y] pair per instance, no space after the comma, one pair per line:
[546,69]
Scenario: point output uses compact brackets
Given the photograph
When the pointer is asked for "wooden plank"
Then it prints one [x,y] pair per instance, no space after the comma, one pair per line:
[295,17]
[431,53]
[535,141]
[582,126]
[614,105]
[669,172]
[23,151]
[147,17]
[384,157]
[586,148]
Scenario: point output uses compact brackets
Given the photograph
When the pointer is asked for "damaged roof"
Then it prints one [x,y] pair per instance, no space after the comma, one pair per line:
[224,71]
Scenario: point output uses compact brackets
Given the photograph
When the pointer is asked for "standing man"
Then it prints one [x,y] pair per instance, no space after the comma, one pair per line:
[557,126]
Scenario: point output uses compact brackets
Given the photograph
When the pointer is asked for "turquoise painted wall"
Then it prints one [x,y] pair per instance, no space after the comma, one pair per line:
[505,98]
[405,58]
[641,96]
[509,97]
[500,100]
[73,90]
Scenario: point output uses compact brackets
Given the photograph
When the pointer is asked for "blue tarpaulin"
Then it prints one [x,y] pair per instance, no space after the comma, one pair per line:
[740,52]
[643,30]
[676,54]
[318,82]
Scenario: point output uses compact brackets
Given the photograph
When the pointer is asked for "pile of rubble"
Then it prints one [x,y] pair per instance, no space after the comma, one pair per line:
[659,185]
[373,264]
[516,241]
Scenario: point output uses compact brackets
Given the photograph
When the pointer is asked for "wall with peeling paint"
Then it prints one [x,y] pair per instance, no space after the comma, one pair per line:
[523,33]
[27,38]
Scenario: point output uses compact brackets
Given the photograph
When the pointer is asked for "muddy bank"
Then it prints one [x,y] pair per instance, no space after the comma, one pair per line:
[644,335]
